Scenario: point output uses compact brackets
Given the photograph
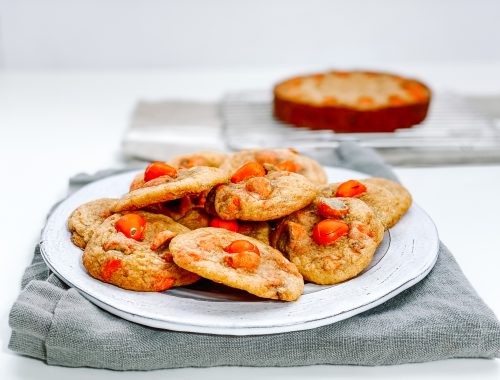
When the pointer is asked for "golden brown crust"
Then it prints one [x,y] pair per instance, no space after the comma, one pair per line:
[84,220]
[337,262]
[188,181]
[202,251]
[289,192]
[388,199]
[354,101]
[113,258]
[306,166]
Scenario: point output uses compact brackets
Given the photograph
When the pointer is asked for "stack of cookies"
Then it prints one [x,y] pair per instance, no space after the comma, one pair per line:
[263,221]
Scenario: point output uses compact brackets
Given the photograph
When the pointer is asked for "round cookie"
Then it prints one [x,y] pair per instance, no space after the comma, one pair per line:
[338,261]
[272,196]
[83,220]
[203,252]
[306,166]
[388,199]
[145,265]
[165,188]
[204,158]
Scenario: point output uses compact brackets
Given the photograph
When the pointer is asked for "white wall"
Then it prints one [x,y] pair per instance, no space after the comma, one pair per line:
[66,34]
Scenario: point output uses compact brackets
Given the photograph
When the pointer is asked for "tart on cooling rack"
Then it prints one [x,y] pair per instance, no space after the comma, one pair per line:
[352,101]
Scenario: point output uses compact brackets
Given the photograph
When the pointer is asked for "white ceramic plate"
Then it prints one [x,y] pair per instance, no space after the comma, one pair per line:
[407,253]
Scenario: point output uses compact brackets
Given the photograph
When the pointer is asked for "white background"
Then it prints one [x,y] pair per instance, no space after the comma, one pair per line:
[96,34]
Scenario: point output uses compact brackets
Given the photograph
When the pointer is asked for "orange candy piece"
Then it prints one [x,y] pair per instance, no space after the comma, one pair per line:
[132,226]
[244,260]
[163,283]
[350,189]
[288,165]
[328,231]
[240,246]
[249,170]
[243,254]
[364,230]
[259,185]
[110,268]
[158,169]
[332,208]
[230,225]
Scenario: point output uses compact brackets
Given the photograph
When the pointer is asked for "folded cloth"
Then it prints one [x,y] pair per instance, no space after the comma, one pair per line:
[441,317]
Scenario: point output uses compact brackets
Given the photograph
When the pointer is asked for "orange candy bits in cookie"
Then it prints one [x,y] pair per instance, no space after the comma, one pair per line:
[244,260]
[259,185]
[350,189]
[230,225]
[332,208]
[288,165]
[329,230]
[163,283]
[249,170]
[158,169]
[243,254]
[132,226]
[110,268]
[161,238]
[239,246]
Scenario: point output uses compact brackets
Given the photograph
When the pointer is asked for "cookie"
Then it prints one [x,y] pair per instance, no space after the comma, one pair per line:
[266,197]
[238,261]
[142,265]
[388,199]
[402,195]
[195,218]
[83,221]
[283,159]
[204,158]
[137,182]
[166,188]
[331,249]
[256,230]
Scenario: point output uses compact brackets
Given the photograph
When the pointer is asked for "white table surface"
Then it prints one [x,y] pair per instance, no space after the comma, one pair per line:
[54,125]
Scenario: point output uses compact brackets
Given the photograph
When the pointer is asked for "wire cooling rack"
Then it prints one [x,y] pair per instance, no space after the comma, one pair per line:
[453,133]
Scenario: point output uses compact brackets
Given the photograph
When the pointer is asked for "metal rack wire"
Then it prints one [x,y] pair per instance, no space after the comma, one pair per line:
[454,132]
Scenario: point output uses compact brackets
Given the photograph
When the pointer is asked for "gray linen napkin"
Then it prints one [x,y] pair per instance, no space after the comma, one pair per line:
[441,317]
